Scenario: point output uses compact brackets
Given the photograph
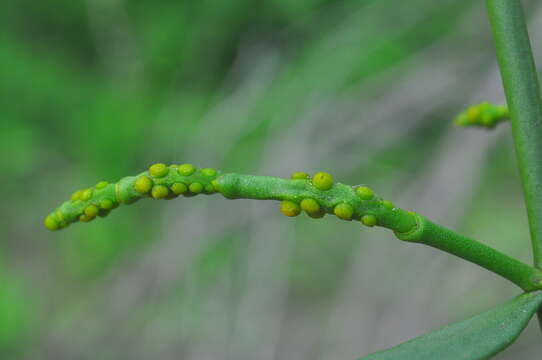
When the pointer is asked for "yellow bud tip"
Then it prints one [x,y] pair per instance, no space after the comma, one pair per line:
[461,120]
[179,188]
[472,113]
[365,193]
[159,192]
[91,211]
[310,206]
[186,169]
[195,188]
[322,181]
[215,185]
[368,220]
[101,184]
[86,195]
[76,195]
[158,170]
[289,208]
[209,172]
[344,211]
[143,184]
[209,188]
[51,223]
[85,218]
[106,204]
[300,175]
[59,215]
[388,204]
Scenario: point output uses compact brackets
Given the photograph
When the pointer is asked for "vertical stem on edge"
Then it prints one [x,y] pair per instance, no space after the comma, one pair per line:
[520,83]
[522,90]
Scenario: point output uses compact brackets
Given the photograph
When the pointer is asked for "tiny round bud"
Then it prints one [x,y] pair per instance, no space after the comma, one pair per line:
[159,192]
[322,181]
[158,170]
[76,195]
[60,216]
[368,220]
[208,172]
[300,175]
[85,218]
[106,204]
[179,188]
[209,188]
[364,192]
[91,211]
[472,113]
[51,223]
[344,211]
[215,185]
[86,195]
[311,206]
[195,187]
[186,169]
[143,184]
[289,208]
[101,184]
[388,204]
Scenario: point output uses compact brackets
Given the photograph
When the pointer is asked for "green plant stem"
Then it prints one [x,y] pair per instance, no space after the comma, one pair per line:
[324,197]
[522,90]
[526,277]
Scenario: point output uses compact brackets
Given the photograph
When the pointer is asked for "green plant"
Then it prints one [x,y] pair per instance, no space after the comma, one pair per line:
[476,338]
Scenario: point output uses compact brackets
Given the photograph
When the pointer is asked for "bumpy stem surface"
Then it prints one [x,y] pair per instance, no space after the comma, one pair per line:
[317,195]
[484,115]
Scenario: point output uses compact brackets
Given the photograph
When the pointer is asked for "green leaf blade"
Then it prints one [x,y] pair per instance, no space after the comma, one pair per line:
[476,338]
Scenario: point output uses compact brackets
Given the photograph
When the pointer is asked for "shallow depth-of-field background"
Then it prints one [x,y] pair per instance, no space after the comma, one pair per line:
[96,90]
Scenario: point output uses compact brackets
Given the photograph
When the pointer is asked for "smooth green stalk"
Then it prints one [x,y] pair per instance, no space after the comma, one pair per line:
[428,233]
[523,96]
[316,196]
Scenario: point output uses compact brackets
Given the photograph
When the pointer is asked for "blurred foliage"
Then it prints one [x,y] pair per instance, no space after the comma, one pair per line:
[95,90]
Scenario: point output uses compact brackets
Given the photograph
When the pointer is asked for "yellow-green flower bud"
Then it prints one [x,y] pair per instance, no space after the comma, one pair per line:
[364,192]
[368,220]
[91,211]
[179,188]
[311,206]
[208,172]
[51,223]
[300,175]
[159,192]
[322,181]
[186,169]
[86,195]
[76,195]
[195,187]
[344,211]
[101,184]
[289,208]
[143,184]
[107,204]
[158,170]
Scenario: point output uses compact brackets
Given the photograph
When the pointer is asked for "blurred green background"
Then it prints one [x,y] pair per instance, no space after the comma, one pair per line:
[96,90]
